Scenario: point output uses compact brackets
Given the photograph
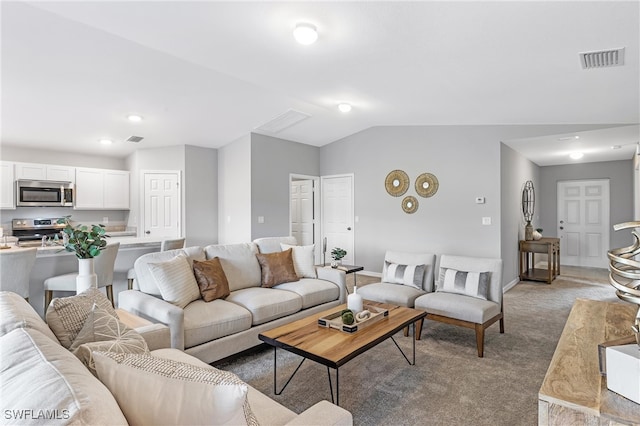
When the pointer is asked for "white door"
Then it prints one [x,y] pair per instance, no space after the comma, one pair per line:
[337,215]
[161,204]
[302,211]
[583,222]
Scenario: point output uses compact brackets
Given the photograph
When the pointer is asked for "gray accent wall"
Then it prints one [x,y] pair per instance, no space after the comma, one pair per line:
[620,175]
[201,196]
[515,170]
[272,161]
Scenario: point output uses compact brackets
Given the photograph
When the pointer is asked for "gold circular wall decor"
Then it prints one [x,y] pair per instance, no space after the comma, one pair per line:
[427,185]
[410,204]
[396,183]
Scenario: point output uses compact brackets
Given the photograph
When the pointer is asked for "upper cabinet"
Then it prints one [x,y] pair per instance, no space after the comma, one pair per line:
[7,188]
[101,189]
[33,171]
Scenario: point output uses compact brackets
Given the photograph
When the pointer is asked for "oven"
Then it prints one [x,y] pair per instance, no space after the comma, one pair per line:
[42,193]
[33,232]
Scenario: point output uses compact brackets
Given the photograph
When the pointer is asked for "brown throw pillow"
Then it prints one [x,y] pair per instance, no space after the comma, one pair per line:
[211,279]
[277,268]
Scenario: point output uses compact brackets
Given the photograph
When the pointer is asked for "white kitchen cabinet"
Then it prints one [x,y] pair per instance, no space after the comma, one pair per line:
[7,186]
[34,171]
[101,189]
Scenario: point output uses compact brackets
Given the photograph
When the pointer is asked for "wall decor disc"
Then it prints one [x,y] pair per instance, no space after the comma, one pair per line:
[427,185]
[396,183]
[410,204]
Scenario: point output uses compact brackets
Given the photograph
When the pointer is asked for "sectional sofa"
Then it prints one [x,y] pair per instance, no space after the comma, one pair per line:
[213,330]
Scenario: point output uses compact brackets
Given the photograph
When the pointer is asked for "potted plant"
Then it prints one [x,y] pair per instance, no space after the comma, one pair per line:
[337,254]
[86,242]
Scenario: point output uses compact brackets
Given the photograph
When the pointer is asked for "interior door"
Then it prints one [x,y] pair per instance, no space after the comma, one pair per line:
[161,204]
[302,211]
[583,222]
[337,215]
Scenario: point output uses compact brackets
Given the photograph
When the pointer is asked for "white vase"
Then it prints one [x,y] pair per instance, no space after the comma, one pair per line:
[354,301]
[537,235]
[87,277]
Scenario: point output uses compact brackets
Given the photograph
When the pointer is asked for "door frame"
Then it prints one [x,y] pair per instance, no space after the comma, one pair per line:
[353,208]
[143,173]
[316,211]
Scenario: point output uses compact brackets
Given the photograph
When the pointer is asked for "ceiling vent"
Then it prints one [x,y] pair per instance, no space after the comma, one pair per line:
[135,139]
[283,121]
[602,58]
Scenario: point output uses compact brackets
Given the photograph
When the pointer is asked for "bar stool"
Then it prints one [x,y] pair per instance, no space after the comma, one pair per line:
[15,268]
[104,264]
[165,245]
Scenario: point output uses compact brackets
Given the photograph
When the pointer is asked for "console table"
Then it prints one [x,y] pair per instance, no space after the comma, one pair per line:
[573,391]
[528,249]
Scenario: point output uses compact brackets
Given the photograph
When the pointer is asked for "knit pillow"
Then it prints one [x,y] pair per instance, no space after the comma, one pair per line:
[474,284]
[411,275]
[175,280]
[277,268]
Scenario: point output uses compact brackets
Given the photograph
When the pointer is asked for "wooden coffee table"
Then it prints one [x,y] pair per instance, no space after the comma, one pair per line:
[334,348]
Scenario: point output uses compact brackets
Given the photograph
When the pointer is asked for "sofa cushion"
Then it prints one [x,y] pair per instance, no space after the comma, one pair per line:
[303,260]
[312,291]
[198,395]
[266,304]
[411,275]
[401,295]
[145,281]
[18,313]
[66,315]
[174,278]
[40,377]
[447,304]
[211,279]
[204,322]
[277,268]
[474,284]
[239,263]
[272,244]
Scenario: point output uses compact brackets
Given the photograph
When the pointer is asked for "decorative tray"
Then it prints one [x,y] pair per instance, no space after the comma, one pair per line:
[334,320]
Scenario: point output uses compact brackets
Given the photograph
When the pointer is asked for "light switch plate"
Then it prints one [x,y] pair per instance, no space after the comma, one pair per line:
[260,219]
[486,221]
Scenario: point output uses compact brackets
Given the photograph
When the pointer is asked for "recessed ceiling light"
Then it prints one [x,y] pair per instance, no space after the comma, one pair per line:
[106,141]
[134,117]
[567,138]
[576,155]
[344,107]
[305,33]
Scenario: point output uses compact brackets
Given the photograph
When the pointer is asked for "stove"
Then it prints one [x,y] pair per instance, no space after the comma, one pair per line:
[30,232]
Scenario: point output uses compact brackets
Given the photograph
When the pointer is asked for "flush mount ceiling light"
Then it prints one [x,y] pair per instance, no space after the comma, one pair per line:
[106,141]
[616,147]
[344,107]
[567,138]
[134,117]
[305,33]
[576,155]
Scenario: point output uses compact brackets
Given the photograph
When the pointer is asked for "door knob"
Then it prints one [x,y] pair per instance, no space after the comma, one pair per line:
[147,232]
[562,227]
[562,221]
[349,228]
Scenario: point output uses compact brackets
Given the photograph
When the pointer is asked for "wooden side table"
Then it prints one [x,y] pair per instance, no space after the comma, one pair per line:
[528,249]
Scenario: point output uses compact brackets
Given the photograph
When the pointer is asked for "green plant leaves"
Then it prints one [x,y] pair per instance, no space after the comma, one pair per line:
[84,242]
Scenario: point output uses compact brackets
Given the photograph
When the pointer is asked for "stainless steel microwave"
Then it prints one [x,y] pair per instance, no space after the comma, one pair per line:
[43,193]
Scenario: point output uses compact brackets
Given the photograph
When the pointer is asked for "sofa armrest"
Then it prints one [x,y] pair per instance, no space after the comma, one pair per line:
[337,277]
[323,413]
[157,336]
[156,310]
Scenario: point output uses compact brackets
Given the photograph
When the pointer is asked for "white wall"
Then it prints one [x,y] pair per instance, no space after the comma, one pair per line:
[234,191]
[636,186]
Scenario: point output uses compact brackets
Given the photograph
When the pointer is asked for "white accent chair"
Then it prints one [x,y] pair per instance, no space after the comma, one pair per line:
[462,310]
[104,264]
[15,268]
[165,245]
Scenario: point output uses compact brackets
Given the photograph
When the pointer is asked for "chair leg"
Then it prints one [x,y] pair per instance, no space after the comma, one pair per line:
[48,296]
[406,331]
[130,283]
[110,294]
[418,326]
[480,339]
[502,325]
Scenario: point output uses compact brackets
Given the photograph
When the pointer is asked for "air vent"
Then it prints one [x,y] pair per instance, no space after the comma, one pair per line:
[602,58]
[135,139]
[283,121]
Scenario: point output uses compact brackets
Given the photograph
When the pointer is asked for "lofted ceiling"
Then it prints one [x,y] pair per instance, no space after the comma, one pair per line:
[207,73]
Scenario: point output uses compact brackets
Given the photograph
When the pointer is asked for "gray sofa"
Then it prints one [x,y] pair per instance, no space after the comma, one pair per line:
[211,331]
[41,382]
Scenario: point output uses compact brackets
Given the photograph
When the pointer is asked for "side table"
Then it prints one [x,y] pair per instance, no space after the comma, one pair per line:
[528,249]
[349,269]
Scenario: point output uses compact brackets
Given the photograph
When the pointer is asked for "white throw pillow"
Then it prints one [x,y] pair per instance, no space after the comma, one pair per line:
[474,284]
[198,396]
[303,260]
[175,280]
[411,275]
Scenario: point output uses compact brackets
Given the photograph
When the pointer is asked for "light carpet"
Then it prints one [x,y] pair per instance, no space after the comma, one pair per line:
[449,385]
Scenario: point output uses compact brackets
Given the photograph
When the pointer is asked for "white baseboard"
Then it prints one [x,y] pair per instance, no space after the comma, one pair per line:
[370,273]
[510,285]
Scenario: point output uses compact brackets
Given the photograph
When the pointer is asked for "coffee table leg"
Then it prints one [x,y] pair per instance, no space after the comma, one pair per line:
[337,400]
[275,371]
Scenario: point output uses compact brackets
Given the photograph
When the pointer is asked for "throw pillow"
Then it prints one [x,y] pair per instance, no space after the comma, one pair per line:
[103,332]
[474,284]
[198,395]
[211,279]
[277,268]
[411,275]
[303,260]
[175,280]
[66,315]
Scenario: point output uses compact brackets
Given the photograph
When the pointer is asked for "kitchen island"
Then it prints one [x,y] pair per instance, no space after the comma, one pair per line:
[54,260]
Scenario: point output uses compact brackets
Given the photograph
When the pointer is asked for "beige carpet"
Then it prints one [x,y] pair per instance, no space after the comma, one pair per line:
[449,385]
